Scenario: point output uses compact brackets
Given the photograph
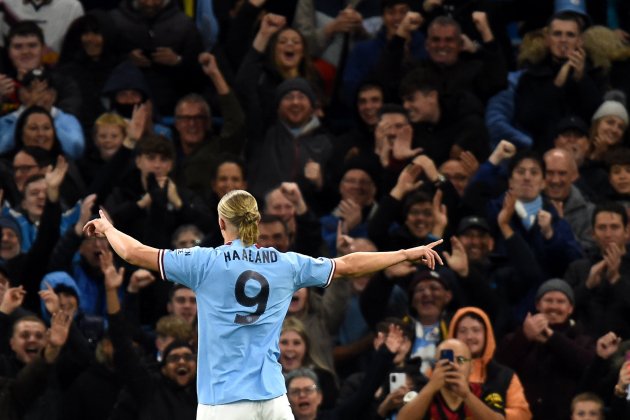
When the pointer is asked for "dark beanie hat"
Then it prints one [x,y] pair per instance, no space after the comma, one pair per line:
[10,223]
[299,84]
[368,165]
[555,285]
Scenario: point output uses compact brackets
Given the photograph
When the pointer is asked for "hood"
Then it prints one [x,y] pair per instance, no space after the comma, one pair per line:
[126,76]
[56,278]
[478,371]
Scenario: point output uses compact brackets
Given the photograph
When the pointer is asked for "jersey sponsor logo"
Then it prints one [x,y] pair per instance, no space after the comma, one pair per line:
[494,400]
[255,256]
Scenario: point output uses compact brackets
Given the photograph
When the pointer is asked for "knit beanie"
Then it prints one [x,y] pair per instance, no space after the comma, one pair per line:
[299,84]
[10,223]
[614,104]
[555,285]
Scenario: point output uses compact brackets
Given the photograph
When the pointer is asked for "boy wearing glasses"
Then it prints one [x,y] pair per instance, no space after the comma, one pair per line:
[448,394]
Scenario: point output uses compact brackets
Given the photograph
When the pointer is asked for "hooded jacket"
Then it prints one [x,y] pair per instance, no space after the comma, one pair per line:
[500,384]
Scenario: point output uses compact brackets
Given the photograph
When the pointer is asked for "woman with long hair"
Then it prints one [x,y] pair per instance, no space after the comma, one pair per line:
[295,353]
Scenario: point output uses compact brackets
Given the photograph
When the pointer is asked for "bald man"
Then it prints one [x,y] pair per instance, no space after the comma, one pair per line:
[448,390]
[562,172]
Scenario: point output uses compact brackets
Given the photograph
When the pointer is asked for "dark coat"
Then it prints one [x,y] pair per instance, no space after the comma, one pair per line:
[169,28]
[549,372]
[540,104]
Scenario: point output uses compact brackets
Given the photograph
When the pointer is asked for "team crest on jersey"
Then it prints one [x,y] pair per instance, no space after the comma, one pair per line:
[185,251]
[494,400]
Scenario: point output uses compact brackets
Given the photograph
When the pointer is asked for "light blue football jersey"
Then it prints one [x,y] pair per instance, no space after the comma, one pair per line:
[243,294]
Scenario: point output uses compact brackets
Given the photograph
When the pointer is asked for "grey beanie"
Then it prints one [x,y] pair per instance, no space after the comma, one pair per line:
[299,84]
[555,285]
[614,104]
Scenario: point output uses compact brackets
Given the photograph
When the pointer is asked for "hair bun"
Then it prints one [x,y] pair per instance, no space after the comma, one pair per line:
[251,217]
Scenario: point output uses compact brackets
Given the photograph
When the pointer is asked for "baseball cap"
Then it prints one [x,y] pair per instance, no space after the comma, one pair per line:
[472,222]
[571,123]
[424,274]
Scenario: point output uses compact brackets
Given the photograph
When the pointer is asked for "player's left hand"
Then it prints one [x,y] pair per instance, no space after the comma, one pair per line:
[97,227]
[425,254]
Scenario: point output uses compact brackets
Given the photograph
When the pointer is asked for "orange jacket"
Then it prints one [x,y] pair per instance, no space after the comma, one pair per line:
[516,406]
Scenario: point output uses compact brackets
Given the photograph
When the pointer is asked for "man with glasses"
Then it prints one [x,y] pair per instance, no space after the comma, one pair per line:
[304,393]
[197,145]
[501,385]
[448,394]
[167,395]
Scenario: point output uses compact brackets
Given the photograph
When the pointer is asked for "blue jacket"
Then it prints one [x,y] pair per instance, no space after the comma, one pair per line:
[67,126]
[29,229]
[500,116]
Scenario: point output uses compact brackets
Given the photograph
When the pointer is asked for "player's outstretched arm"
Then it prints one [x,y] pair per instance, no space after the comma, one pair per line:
[360,264]
[128,248]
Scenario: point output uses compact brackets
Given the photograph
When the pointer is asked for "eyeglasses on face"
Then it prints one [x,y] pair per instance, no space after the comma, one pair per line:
[174,358]
[461,360]
[307,391]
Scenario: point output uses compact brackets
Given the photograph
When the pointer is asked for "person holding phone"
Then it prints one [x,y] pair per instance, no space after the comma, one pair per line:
[448,394]
[243,294]
[472,326]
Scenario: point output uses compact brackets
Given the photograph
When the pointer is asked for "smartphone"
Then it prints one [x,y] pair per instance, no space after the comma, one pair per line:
[396,380]
[447,354]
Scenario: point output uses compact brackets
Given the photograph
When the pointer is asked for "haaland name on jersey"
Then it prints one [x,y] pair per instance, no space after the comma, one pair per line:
[263,256]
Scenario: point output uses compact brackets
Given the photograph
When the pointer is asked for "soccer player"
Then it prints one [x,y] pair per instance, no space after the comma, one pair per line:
[243,294]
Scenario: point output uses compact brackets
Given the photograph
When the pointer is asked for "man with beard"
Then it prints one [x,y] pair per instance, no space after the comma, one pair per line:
[167,394]
[549,352]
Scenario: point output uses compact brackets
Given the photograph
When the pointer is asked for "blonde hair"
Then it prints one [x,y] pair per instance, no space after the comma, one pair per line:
[240,209]
[109,118]
[603,46]
[174,326]
[533,48]
[292,323]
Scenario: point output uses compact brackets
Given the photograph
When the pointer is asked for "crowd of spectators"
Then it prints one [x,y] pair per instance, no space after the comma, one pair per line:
[359,125]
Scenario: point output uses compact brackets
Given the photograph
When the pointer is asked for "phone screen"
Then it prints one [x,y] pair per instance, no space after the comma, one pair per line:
[396,380]
[447,354]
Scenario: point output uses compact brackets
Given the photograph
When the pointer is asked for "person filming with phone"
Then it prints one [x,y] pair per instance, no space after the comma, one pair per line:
[448,394]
